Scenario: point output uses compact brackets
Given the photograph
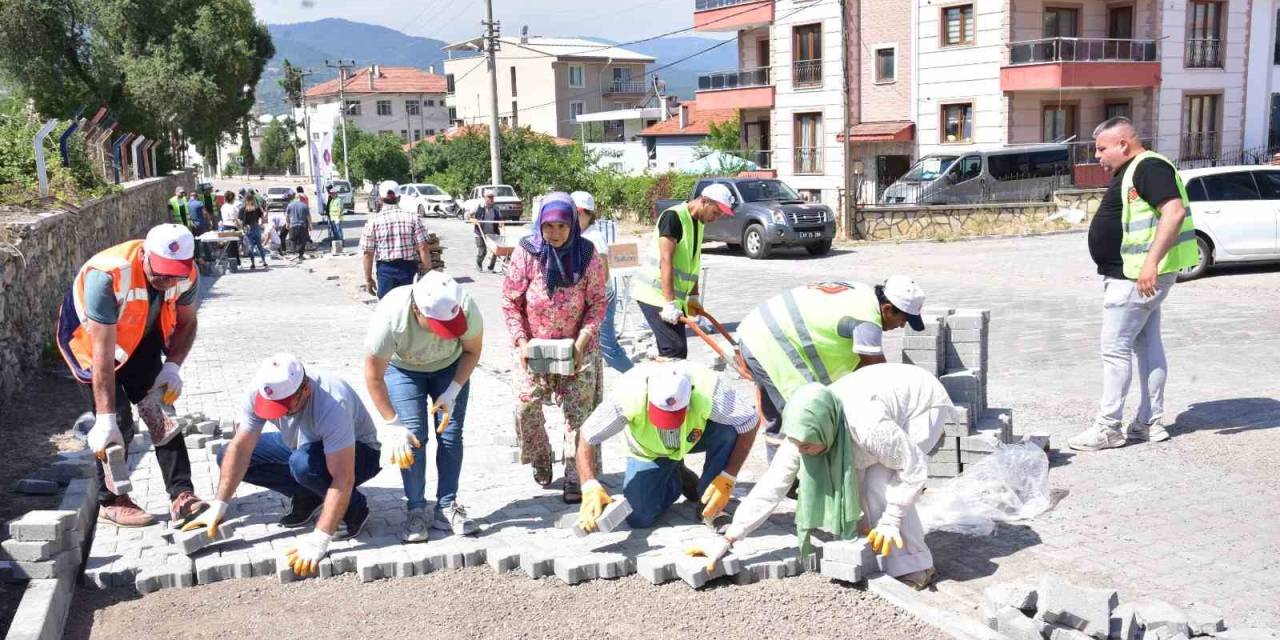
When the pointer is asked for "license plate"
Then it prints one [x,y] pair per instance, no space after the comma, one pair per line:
[809,235]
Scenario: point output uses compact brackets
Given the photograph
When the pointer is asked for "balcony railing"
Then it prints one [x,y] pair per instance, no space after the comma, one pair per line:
[1199,146]
[761,158]
[734,79]
[703,5]
[626,86]
[806,73]
[1204,53]
[1085,152]
[1082,50]
[808,160]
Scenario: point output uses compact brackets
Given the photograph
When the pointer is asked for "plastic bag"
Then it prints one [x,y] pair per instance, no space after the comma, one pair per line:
[1011,485]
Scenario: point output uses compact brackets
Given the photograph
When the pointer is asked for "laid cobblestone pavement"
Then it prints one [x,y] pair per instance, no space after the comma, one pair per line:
[1191,520]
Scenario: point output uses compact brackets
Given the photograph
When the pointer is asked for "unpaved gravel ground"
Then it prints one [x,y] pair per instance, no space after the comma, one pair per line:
[478,603]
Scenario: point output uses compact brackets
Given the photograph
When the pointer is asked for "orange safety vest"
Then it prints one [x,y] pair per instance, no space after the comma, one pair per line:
[123,263]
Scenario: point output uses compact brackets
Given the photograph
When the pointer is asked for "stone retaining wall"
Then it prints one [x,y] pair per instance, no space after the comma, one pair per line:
[40,252]
[1084,199]
[946,221]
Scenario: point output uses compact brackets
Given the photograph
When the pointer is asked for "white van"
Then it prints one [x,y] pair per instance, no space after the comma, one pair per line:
[1026,173]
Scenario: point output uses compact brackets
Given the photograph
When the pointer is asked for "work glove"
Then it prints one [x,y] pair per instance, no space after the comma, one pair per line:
[443,404]
[210,518]
[717,494]
[104,433]
[170,381]
[887,532]
[594,500]
[670,313]
[713,550]
[398,443]
[305,558]
[694,305]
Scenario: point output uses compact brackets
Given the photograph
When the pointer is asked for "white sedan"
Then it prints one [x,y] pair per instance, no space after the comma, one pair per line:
[1236,211]
[427,200]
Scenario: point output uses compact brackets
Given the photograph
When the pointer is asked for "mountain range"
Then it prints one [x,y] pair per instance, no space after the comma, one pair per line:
[310,44]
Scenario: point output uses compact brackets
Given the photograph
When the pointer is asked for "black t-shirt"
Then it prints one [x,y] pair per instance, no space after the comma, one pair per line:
[252,218]
[1156,184]
[669,226]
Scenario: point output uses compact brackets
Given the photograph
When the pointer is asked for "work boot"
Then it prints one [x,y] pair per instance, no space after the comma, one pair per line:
[688,483]
[303,508]
[123,512]
[416,525]
[185,507]
[352,523]
[1098,436]
[453,518]
[1152,432]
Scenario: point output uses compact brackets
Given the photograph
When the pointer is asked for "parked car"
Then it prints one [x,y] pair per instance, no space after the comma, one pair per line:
[278,198]
[427,200]
[504,197]
[343,189]
[1236,210]
[768,213]
[1025,173]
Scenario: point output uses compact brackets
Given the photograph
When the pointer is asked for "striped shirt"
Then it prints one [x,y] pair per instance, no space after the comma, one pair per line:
[728,407]
[393,234]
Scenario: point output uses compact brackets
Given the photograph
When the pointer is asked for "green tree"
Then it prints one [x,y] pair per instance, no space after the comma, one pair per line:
[532,163]
[373,157]
[247,159]
[276,151]
[291,81]
[162,66]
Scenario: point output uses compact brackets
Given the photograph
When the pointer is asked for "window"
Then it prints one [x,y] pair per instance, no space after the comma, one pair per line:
[385,132]
[1276,54]
[448,82]
[384,107]
[1230,186]
[968,168]
[576,79]
[453,114]
[886,64]
[1028,164]
[513,82]
[431,132]
[808,137]
[957,122]
[1273,137]
[806,54]
[515,115]
[315,135]
[1204,34]
[1120,22]
[1200,126]
[412,107]
[432,103]
[577,108]
[1058,122]
[404,135]
[1061,22]
[1268,184]
[957,25]
[417,135]
[353,107]
[1117,110]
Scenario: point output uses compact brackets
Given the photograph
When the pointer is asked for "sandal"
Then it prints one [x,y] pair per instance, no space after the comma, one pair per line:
[542,475]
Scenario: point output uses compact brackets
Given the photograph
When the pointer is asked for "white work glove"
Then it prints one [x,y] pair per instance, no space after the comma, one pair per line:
[887,531]
[210,518]
[444,402]
[670,313]
[713,550]
[398,444]
[170,381]
[104,433]
[305,558]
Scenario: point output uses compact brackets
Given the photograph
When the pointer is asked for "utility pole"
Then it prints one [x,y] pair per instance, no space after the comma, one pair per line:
[342,66]
[491,48]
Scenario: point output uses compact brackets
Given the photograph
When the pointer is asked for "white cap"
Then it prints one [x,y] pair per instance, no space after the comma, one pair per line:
[170,248]
[907,296]
[669,390]
[721,195]
[439,298]
[387,185]
[277,379]
[583,200]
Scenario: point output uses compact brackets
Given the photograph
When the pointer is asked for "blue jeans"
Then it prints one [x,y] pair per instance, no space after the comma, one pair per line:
[304,470]
[335,229]
[651,486]
[395,273]
[614,355]
[253,240]
[408,391]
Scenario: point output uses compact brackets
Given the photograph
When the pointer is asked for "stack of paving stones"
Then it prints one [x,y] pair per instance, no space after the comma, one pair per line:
[547,356]
[953,346]
[1057,609]
[437,252]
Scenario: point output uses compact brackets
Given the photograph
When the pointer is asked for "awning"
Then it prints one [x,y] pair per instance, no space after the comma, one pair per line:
[895,131]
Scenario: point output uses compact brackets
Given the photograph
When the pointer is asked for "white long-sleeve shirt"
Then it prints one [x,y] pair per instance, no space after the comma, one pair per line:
[728,407]
[894,414]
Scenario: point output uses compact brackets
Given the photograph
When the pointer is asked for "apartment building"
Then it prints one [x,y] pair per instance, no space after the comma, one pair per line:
[1262,113]
[544,83]
[881,141]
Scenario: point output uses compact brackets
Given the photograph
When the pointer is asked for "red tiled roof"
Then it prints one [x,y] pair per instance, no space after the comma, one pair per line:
[894,131]
[697,123]
[388,80]
[478,129]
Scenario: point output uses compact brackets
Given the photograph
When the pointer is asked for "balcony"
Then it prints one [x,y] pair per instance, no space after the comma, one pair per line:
[625,87]
[1199,146]
[808,160]
[731,15]
[740,89]
[806,74]
[1080,63]
[1204,53]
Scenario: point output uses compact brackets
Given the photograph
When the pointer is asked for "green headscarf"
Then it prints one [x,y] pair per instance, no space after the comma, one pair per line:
[828,495]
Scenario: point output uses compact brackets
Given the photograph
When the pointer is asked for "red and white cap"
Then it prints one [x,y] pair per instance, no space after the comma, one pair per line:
[439,298]
[277,379]
[669,391]
[170,248]
[721,195]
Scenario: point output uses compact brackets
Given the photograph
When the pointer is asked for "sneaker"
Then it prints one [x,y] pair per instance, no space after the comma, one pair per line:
[160,426]
[688,483]
[1153,432]
[123,512]
[416,525]
[185,507]
[453,518]
[1098,436]
[352,523]
[303,508]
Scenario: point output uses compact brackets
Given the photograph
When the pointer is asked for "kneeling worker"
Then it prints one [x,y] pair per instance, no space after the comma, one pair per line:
[667,410]
[326,447]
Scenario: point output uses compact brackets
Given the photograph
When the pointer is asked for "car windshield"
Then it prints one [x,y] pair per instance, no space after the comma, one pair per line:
[929,168]
[766,190]
[500,191]
[429,190]
[341,187]
[278,191]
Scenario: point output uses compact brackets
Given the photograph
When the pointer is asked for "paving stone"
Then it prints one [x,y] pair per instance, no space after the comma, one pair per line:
[1058,632]
[43,525]
[844,572]
[1205,620]
[537,563]
[575,569]
[212,568]
[29,550]
[1065,603]
[1248,633]
[60,564]
[694,571]
[1016,625]
[206,427]
[190,542]
[613,516]
[368,567]
[1124,625]
[196,441]
[36,487]
[503,559]
[1153,614]
[656,568]
[66,470]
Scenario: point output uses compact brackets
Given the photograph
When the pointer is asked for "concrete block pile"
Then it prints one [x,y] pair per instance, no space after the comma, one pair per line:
[43,545]
[953,346]
[436,250]
[547,356]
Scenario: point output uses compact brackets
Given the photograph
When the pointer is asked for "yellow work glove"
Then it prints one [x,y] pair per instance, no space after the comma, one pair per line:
[713,550]
[886,533]
[594,500]
[305,558]
[398,444]
[717,494]
[210,518]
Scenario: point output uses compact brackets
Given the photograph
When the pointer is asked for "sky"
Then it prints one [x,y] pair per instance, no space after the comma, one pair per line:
[453,20]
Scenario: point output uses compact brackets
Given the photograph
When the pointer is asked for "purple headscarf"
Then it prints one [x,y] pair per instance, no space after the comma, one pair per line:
[563,267]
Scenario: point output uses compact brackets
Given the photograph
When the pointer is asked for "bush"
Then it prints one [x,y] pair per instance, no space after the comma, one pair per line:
[18,181]
[618,195]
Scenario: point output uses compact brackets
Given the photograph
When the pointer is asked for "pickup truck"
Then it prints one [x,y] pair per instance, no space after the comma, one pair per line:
[504,198]
[767,214]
